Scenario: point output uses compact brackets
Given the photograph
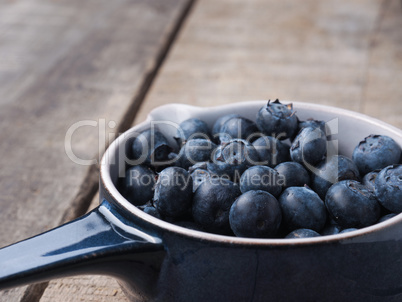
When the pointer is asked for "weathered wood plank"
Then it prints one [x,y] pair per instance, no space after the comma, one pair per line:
[84,288]
[313,51]
[382,92]
[62,62]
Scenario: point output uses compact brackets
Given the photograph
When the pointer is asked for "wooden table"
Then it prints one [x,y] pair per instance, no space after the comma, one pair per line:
[110,62]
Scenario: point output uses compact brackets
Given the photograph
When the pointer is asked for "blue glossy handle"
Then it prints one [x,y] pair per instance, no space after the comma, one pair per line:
[86,245]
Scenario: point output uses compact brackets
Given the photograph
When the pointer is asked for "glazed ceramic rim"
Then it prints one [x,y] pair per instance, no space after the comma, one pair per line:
[108,185]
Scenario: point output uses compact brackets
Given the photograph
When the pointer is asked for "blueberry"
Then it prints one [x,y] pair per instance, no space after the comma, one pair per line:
[137,186]
[190,129]
[261,178]
[172,157]
[173,192]
[302,233]
[386,217]
[330,229]
[271,151]
[302,208]
[232,159]
[151,147]
[313,124]
[199,165]
[352,205]
[332,170]
[216,129]
[348,230]
[293,174]
[199,176]
[388,188]
[369,179]
[238,127]
[309,147]
[278,120]
[255,214]
[195,150]
[151,210]
[212,202]
[376,152]
[189,225]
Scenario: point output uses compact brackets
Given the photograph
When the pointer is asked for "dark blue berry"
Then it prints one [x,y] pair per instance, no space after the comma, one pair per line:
[293,174]
[277,120]
[189,225]
[302,233]
[173,192]
[232,159]
[386,217]
[151,210]
[199,175]
[309,147]
[172,157]
[348,230]
[271,151]
[255,214]
[216,129]
[199,165]
[238,127]
[302,208]
[212,202]
[313,124]
[352,205]
[332,170]
[137,186]
[388,188]
[190,129]
[151,147]
[369,179]
[261,178]
[330,229]
[376,152]
[195,150]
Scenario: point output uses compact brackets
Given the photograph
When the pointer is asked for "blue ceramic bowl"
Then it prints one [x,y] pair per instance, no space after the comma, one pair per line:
[158,261]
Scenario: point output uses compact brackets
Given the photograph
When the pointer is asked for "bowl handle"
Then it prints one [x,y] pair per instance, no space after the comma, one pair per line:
[98,242]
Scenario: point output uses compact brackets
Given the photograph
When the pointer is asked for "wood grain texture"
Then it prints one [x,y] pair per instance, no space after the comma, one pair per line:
[339,53]
[63,62]
[382,92]
[84,288]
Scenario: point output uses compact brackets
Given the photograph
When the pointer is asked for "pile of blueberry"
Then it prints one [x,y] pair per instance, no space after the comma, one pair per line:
[272,178]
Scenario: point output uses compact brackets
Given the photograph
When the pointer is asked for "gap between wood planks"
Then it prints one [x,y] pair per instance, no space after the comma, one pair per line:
[90,184]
